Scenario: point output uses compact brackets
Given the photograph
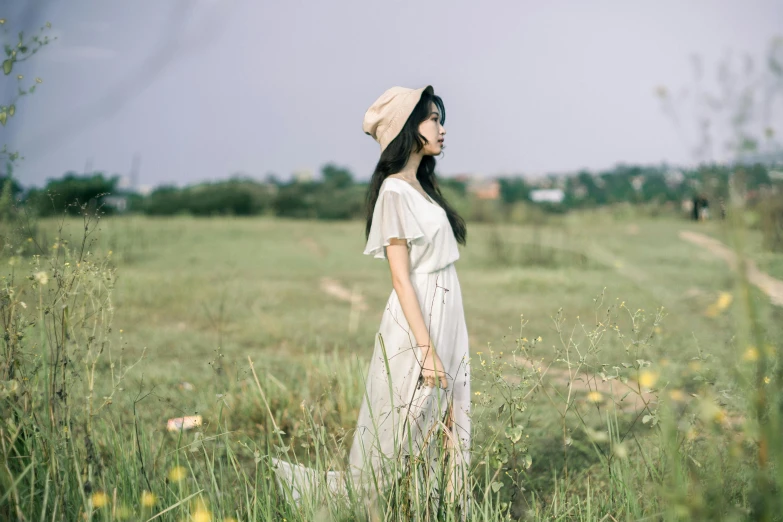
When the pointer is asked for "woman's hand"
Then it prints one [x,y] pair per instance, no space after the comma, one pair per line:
[432,372]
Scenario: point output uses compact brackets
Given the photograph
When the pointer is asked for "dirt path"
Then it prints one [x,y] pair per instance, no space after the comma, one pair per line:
[765,282]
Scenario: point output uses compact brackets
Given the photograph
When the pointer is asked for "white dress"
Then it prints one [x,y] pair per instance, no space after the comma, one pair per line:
[401,420]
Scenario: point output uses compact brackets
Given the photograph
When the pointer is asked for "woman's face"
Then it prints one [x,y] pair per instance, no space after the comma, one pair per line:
[433,132]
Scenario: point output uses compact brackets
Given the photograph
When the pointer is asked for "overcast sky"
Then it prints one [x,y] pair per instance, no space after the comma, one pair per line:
[203,89]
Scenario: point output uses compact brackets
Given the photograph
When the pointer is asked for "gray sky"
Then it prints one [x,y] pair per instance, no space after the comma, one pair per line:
[202,89]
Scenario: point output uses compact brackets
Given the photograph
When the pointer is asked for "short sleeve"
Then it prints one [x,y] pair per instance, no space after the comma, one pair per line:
[391,218]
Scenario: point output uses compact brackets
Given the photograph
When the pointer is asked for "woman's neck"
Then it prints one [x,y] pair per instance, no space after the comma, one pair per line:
[411,167]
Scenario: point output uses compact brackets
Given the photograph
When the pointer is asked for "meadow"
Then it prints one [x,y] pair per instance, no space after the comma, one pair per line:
[620,371]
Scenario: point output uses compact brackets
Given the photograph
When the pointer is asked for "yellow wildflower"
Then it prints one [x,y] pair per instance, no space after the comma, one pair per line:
[148,499]
[766,380]
[202,515]
[200,511]
[177,474]
[722,303]
[478,393]
[751,354]
[99,499]
[676,395]
[647,379]
[595,396]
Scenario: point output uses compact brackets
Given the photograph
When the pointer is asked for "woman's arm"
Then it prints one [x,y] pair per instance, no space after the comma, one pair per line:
[399,265]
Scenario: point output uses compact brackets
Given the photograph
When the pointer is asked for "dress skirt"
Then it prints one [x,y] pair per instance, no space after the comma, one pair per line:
[403,424]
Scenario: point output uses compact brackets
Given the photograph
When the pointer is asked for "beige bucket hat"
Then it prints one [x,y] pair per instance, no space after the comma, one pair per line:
[386,117]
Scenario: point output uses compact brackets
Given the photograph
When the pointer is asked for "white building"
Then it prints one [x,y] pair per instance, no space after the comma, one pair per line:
[547,195]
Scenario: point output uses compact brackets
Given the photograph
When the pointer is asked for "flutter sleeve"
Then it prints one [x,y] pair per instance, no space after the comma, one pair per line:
[391,218]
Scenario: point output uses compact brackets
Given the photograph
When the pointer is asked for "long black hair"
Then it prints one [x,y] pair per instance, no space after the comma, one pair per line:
[396,154]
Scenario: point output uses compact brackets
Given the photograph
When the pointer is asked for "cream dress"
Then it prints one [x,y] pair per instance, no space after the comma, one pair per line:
[400,420]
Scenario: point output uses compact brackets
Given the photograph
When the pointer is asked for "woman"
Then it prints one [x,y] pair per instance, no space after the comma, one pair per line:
[416,408]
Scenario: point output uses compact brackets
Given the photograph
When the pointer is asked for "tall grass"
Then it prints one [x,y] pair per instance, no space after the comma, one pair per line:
[562,430]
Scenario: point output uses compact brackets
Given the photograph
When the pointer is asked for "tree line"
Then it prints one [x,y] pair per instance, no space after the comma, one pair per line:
[336,195]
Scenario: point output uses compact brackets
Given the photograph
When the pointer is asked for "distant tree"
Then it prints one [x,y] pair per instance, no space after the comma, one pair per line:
[513,190]
[73,194]
[335,177]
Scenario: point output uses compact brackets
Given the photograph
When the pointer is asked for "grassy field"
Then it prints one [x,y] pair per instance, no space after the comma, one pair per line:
[197,297]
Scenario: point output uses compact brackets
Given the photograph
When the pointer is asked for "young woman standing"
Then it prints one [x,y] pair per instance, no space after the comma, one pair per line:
[416,408]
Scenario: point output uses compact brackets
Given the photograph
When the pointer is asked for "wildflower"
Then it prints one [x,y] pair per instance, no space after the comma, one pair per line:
[42,278]
[539,339]
[766,380]
[99,499]
[477,393]
[751,354]
[676,395]
[202,515]
[722,303]
[595,396]
[177,474]
[201,512]
[647,379]
[24,305]
[148,499]
[724,300]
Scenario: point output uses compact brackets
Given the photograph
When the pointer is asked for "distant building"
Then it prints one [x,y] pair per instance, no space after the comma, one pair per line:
[118,202]
[303,175]
[487,190]
[547,195]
